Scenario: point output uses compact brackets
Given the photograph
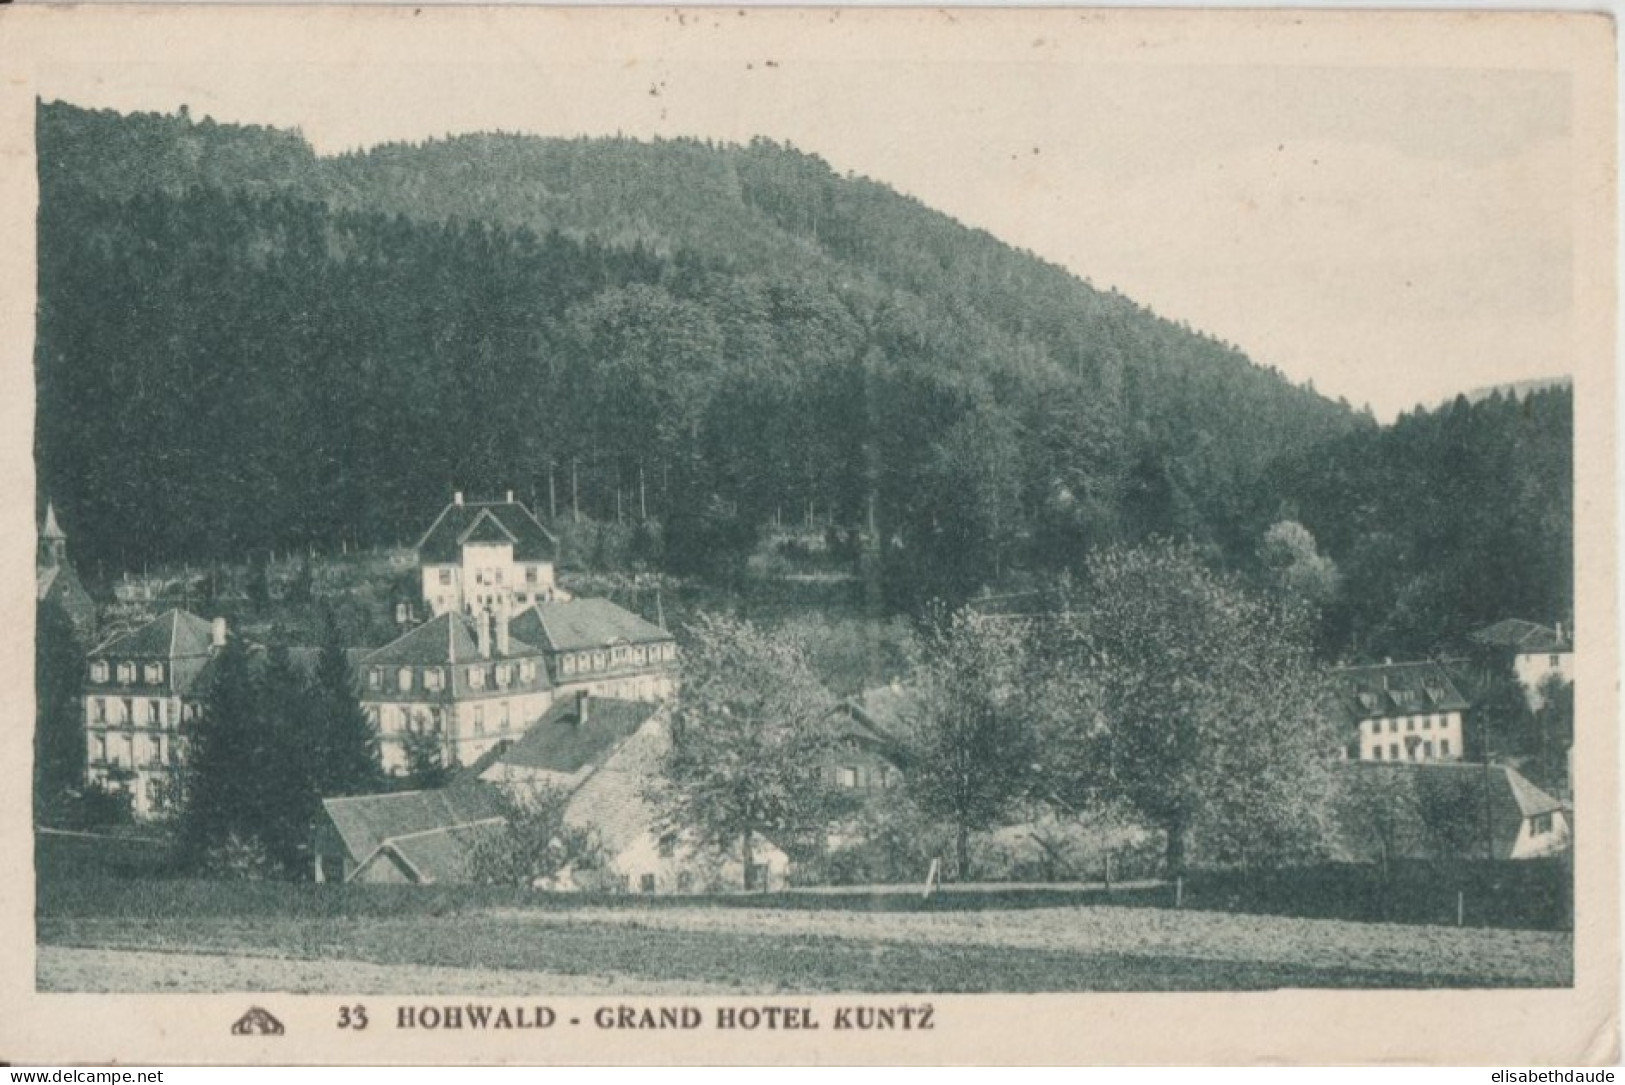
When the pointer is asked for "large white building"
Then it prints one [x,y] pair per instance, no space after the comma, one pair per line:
[1403,712]
[486,556]
[1539,653]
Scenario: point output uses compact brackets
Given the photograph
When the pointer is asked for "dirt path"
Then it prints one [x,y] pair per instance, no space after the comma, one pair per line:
[64,968]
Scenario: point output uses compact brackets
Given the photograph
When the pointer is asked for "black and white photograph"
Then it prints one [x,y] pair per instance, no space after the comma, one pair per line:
[572,509]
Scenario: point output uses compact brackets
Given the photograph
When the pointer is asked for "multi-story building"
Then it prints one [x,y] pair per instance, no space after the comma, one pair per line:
[463,679]
[1539,653]
[1402,712]
[595,646]
[486,555]
[141,686]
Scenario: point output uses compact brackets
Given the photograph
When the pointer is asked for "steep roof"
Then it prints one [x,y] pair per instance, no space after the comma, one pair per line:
[442,543]
[610,802]
[1397,689]
[364,822]
[44,577]
[1522,636]
[450,638]
[1457,790]
[559,742]
[583,623]
[51,530]
[174,634]
[437,855]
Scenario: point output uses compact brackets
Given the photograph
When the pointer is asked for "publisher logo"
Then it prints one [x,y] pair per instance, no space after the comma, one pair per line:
[257,1022]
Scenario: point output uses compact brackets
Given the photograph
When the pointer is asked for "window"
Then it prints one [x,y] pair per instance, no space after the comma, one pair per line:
[153,673]
[599,661]
[128,715]
[155,713]
[98,671]
[1555,662]
[479,719]
[101,710]
[445,577]
[646,883]
[1427,722]
[100,754]
[1542,824]
[1444,747]
[1393,751]
[476,677]
[504,674]
[846,777]
[126,672]
[1393,725]
[569,664]
[403,679]
[618,655]
[527,671]
[434,678]
[530,574]
[639,656]
[375,679]
[1376,753]
[1427,749]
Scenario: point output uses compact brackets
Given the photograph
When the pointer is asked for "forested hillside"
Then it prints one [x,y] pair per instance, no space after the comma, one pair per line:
[245,345]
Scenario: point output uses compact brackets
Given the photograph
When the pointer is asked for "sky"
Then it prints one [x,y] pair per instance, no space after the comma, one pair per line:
[1394,225]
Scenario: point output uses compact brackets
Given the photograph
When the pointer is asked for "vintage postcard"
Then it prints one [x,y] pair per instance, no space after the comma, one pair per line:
[715,535]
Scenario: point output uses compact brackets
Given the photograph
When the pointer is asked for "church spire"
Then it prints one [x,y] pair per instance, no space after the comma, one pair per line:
[53,541]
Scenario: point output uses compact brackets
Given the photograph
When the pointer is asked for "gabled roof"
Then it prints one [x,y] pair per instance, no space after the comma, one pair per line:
[365,822]
[611,803]
[174,634]
[435,855]
[450,638]
[559,742]
[442,543]
[1397,689]
[1456,790]
[583,623]
[1522,636]
[44,577]
[487,529]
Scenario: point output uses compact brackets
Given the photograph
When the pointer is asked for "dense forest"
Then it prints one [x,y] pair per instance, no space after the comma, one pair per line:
[244,345]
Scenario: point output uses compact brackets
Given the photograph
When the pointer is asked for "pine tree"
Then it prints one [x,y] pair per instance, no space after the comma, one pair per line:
[59,737]
[287,790]
[225,777]
[343,740]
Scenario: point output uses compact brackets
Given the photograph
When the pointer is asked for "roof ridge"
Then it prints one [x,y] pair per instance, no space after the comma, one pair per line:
[440,829]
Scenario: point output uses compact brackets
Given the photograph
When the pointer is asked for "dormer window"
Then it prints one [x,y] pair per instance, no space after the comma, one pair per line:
[433,678]
[153,673]
[403,678]
[527,671]
[98,671]
[375,679]
[126,673]
[639,656]
[445,578]
[504,674]
[619,655]
[476,677]
[599,660]
[569,663]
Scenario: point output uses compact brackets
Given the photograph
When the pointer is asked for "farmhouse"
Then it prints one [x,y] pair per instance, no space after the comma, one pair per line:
[1402,712]
[868,754]
[1451,811]
[487,555]
[1539,652]
[411,837]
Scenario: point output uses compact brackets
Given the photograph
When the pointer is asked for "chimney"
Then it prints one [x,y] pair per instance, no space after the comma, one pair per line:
[1560,640]
[483,630]
[583,707]
[457,497]
[217,634]
[502,631]
[510,497]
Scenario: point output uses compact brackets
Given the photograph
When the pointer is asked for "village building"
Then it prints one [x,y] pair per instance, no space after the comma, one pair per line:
[405,837]
[868,755]
[1460,811]
[486,556]
[464,680]
[1401,712]
[605,649]
[140,688]
[1539,653]
[564,747]
[55,581]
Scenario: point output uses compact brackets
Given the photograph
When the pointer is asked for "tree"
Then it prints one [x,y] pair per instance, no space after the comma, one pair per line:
[972,741]
[1499,723]
[287,785]
[1294,566]
[1554,731]
[750,729]
[59,734]
[342,738]
[426,767]
[535,845]
[1380,811]
[1210,714]
[225,791]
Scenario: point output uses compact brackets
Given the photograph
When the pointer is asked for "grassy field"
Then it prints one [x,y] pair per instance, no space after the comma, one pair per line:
[467,940]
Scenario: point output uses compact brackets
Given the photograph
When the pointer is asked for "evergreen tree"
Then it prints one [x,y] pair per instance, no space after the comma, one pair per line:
[59,734]
[288,789]
[225,783]
[342,739]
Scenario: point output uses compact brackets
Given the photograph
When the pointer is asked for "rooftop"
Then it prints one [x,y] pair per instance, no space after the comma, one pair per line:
[449,639]
[174,634]
[559,741]
[1522,636]
[564,626]
[365,822]
[1397,689]
[485,521]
